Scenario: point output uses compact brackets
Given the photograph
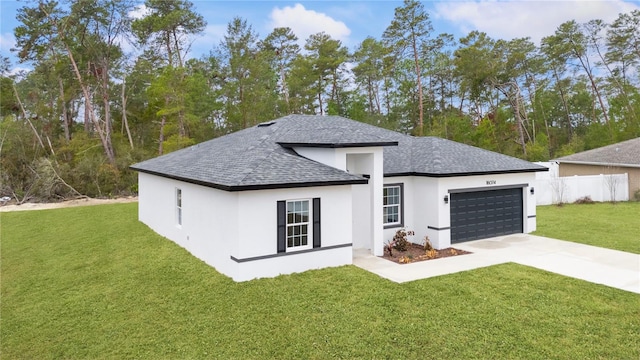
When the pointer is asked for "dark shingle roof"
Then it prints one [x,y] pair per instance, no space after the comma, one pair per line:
[261,157]
[626,153]
[433,156]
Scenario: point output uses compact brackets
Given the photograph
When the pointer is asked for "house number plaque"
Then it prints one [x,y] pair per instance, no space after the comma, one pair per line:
[491,182]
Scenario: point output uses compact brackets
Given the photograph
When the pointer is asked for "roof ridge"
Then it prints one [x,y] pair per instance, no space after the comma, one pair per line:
[268,150]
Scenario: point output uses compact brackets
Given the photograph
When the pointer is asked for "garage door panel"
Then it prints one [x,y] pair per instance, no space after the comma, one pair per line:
[478,215]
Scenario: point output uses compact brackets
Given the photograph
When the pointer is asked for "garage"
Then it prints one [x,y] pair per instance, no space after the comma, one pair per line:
[483,214]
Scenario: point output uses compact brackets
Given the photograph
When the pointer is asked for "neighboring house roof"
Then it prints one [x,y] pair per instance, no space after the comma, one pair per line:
[262,156]
[626,153]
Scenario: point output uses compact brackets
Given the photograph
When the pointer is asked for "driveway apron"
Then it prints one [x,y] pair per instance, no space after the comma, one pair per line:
[617,269]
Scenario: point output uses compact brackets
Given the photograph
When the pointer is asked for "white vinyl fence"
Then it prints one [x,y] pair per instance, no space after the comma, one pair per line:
[553,189]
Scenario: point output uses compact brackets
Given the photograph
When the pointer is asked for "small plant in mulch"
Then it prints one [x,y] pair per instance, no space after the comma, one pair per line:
[399,241]
[415,252]
[427,244]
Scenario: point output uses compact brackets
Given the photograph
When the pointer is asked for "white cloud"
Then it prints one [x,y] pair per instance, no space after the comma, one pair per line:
[305,22]
[18,71]
[534,19]
[7,41]
[210,37]
[139,12]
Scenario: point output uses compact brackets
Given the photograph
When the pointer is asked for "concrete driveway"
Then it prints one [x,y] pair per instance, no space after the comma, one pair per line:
[613,268]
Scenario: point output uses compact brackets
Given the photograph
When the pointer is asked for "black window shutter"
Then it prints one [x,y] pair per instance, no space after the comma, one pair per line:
[316,222]
[282,226]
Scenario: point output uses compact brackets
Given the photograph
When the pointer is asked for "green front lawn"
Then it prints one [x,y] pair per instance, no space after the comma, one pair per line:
[613,226]
[92,282]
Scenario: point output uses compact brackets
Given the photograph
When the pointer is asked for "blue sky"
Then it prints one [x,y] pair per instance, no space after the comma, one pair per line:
[352,21]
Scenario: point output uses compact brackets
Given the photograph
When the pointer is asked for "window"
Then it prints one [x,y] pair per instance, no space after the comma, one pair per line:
[298,224]
[179,207]
[392,205]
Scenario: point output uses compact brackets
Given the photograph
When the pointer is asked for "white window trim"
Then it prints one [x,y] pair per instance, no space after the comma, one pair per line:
[179,213]
[398,223]
[309,224]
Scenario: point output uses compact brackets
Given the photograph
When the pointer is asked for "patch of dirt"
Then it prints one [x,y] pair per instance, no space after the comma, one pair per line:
[417,253]
[64,204]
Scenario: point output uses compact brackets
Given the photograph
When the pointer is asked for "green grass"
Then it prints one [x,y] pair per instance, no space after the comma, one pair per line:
[613,226]
[92,282]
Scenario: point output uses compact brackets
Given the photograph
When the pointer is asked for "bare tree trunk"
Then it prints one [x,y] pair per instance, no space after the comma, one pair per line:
[65,115]
[587,69]
[88,107]
[108,126]
[125,122]
[320,95]
[376,97]
[512,91]
[161,137]
[564,103]
[386,96]
[419,80]
[177,49]
[87,121]
[520,125]
[617,84]
[26,117]
[285,90]
[370,94]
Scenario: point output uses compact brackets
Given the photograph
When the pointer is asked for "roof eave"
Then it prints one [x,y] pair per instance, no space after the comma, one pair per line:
[473,173]
[337,145]
[232,188]
[595,163]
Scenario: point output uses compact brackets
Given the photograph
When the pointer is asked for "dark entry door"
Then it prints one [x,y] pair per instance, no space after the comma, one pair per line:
[484,214]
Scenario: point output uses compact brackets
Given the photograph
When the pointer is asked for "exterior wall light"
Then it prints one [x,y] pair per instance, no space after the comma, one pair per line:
[446,199]
[532,190]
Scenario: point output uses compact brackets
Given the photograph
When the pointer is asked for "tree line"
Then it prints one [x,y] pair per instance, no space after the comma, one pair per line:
[88,110]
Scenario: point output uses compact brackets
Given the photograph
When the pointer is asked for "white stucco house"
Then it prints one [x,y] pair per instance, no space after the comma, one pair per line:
[302,192]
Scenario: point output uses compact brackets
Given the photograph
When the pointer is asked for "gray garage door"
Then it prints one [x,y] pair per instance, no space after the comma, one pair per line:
[483,214]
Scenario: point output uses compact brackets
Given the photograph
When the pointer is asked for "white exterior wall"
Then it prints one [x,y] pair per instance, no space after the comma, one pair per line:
[257,226]
[217,225]
[426,213]
[359,160]
[209,218]
[325,156]
[410,207]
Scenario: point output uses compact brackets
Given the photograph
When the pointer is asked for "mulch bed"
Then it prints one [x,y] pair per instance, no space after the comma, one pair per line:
[417,253]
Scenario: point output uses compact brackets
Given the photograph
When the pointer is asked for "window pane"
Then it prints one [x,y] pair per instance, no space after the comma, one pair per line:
[391,204]
[298,216]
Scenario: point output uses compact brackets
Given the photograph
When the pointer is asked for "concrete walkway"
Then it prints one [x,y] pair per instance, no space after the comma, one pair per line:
[613,268]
